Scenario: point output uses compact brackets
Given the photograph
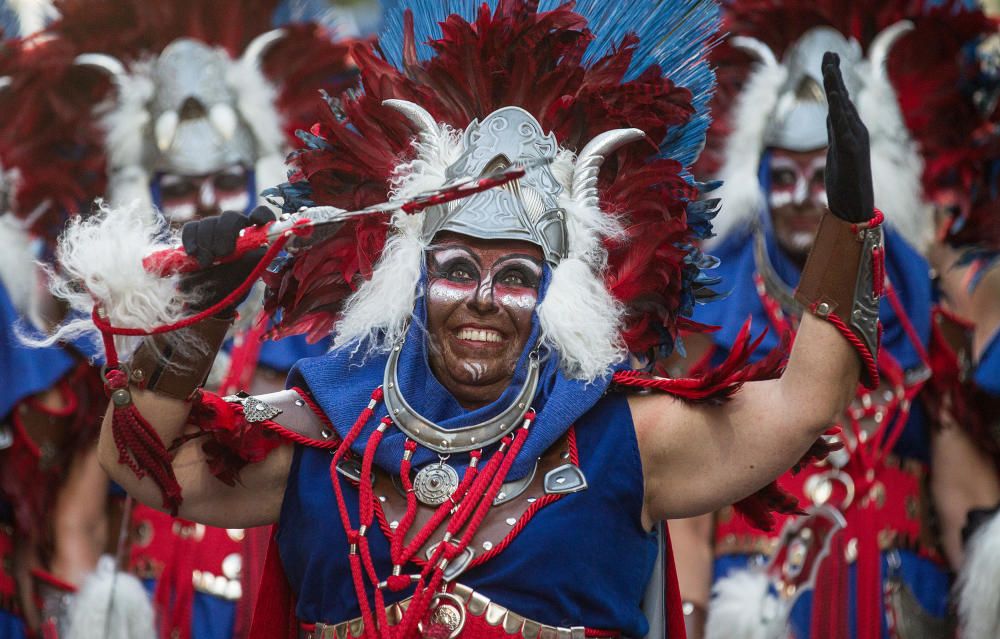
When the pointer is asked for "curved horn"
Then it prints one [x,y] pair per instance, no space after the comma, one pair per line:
[882,45]
[103,62]
[419,117]
[756,48]
[223,119]
[165,130]
[588,163]
[259,45]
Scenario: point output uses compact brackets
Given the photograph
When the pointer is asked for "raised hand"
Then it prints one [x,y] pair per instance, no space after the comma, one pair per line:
[213,238]
[848,159]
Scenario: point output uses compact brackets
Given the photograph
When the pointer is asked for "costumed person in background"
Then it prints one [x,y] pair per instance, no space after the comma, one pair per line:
[188,107]
[432,474]
[957,124]
[53,491]
[869,552]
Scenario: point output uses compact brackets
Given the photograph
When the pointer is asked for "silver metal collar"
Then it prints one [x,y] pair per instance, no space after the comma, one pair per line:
[455,440]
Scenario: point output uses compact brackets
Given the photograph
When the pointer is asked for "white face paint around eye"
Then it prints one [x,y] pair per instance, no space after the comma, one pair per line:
[444,291]
[806,186]
[524,302]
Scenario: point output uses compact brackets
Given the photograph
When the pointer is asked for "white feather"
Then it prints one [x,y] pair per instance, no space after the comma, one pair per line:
[110,605]
[743,607]
[33,15]
[100,260]
[255,99]
[897,165]
[376,315]
[581,320]
[740,192]
[19,274]
[978,595]
[126,120]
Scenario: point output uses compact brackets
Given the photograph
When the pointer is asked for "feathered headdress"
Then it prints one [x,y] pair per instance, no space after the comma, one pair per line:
[630,272]
[947,75]
[770,80]
[94,105]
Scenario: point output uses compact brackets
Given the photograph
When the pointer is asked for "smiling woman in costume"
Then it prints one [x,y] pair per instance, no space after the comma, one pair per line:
[477,403]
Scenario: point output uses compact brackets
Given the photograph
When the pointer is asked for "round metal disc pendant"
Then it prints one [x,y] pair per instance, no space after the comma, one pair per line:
[434,484]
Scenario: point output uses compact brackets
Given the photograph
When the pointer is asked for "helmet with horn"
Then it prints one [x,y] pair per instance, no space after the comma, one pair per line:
[606,124]
[774,60]
[127,93]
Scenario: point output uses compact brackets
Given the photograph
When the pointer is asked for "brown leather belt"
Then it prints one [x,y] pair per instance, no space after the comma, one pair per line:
[475,604]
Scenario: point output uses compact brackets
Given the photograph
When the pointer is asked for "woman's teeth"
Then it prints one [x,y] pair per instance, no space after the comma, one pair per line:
[479,335]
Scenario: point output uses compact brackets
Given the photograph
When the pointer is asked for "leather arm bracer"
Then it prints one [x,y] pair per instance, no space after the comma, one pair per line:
[158,367]
[843,281]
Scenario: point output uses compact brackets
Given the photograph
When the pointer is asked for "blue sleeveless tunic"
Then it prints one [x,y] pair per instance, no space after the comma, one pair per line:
[584,559]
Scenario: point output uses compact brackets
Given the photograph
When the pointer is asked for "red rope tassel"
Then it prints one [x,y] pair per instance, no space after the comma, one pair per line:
[139,446]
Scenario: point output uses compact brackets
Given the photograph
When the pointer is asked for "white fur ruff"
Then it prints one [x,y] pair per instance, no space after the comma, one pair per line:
[978,595]
[110,605]
[743,607]
[32,15]
[19,274]
[100,260]
[741,195]
[579,317]
[125,119]
[896,163]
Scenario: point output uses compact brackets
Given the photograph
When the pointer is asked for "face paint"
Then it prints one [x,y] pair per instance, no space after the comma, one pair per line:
[481,296]
[186,197]
[797,198]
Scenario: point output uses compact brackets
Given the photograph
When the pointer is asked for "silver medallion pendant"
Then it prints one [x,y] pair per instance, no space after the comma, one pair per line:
[434,484]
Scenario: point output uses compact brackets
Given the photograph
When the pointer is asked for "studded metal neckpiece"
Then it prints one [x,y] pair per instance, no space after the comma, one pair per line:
[773,283]
[455,440]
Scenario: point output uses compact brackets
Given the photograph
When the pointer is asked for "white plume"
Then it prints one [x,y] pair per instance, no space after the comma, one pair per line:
[377,314]
[581,320]
[896,162]
[740,192]
[100,259]
[743,607]
[110,605]
[978,595]
[256,97]
[125,119]
[19,274]
[33,15]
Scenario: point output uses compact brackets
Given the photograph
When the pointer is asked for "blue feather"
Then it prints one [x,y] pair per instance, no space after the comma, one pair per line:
[674,34]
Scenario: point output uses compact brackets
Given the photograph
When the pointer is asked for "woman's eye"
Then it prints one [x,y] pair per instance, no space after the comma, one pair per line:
[782,178]
[513,279]
[460,274]
[819,177]
[176,190]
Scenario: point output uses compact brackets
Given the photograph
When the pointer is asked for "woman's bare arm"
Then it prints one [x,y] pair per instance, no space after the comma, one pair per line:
[698,458]
[254,501]
[80,523]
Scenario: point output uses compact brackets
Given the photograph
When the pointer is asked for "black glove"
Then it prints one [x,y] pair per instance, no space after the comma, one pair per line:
[213,238]
[848,158]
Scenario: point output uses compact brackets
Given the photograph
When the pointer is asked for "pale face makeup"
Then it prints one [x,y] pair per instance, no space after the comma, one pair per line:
[797,198]
[186,197]
[481,296]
